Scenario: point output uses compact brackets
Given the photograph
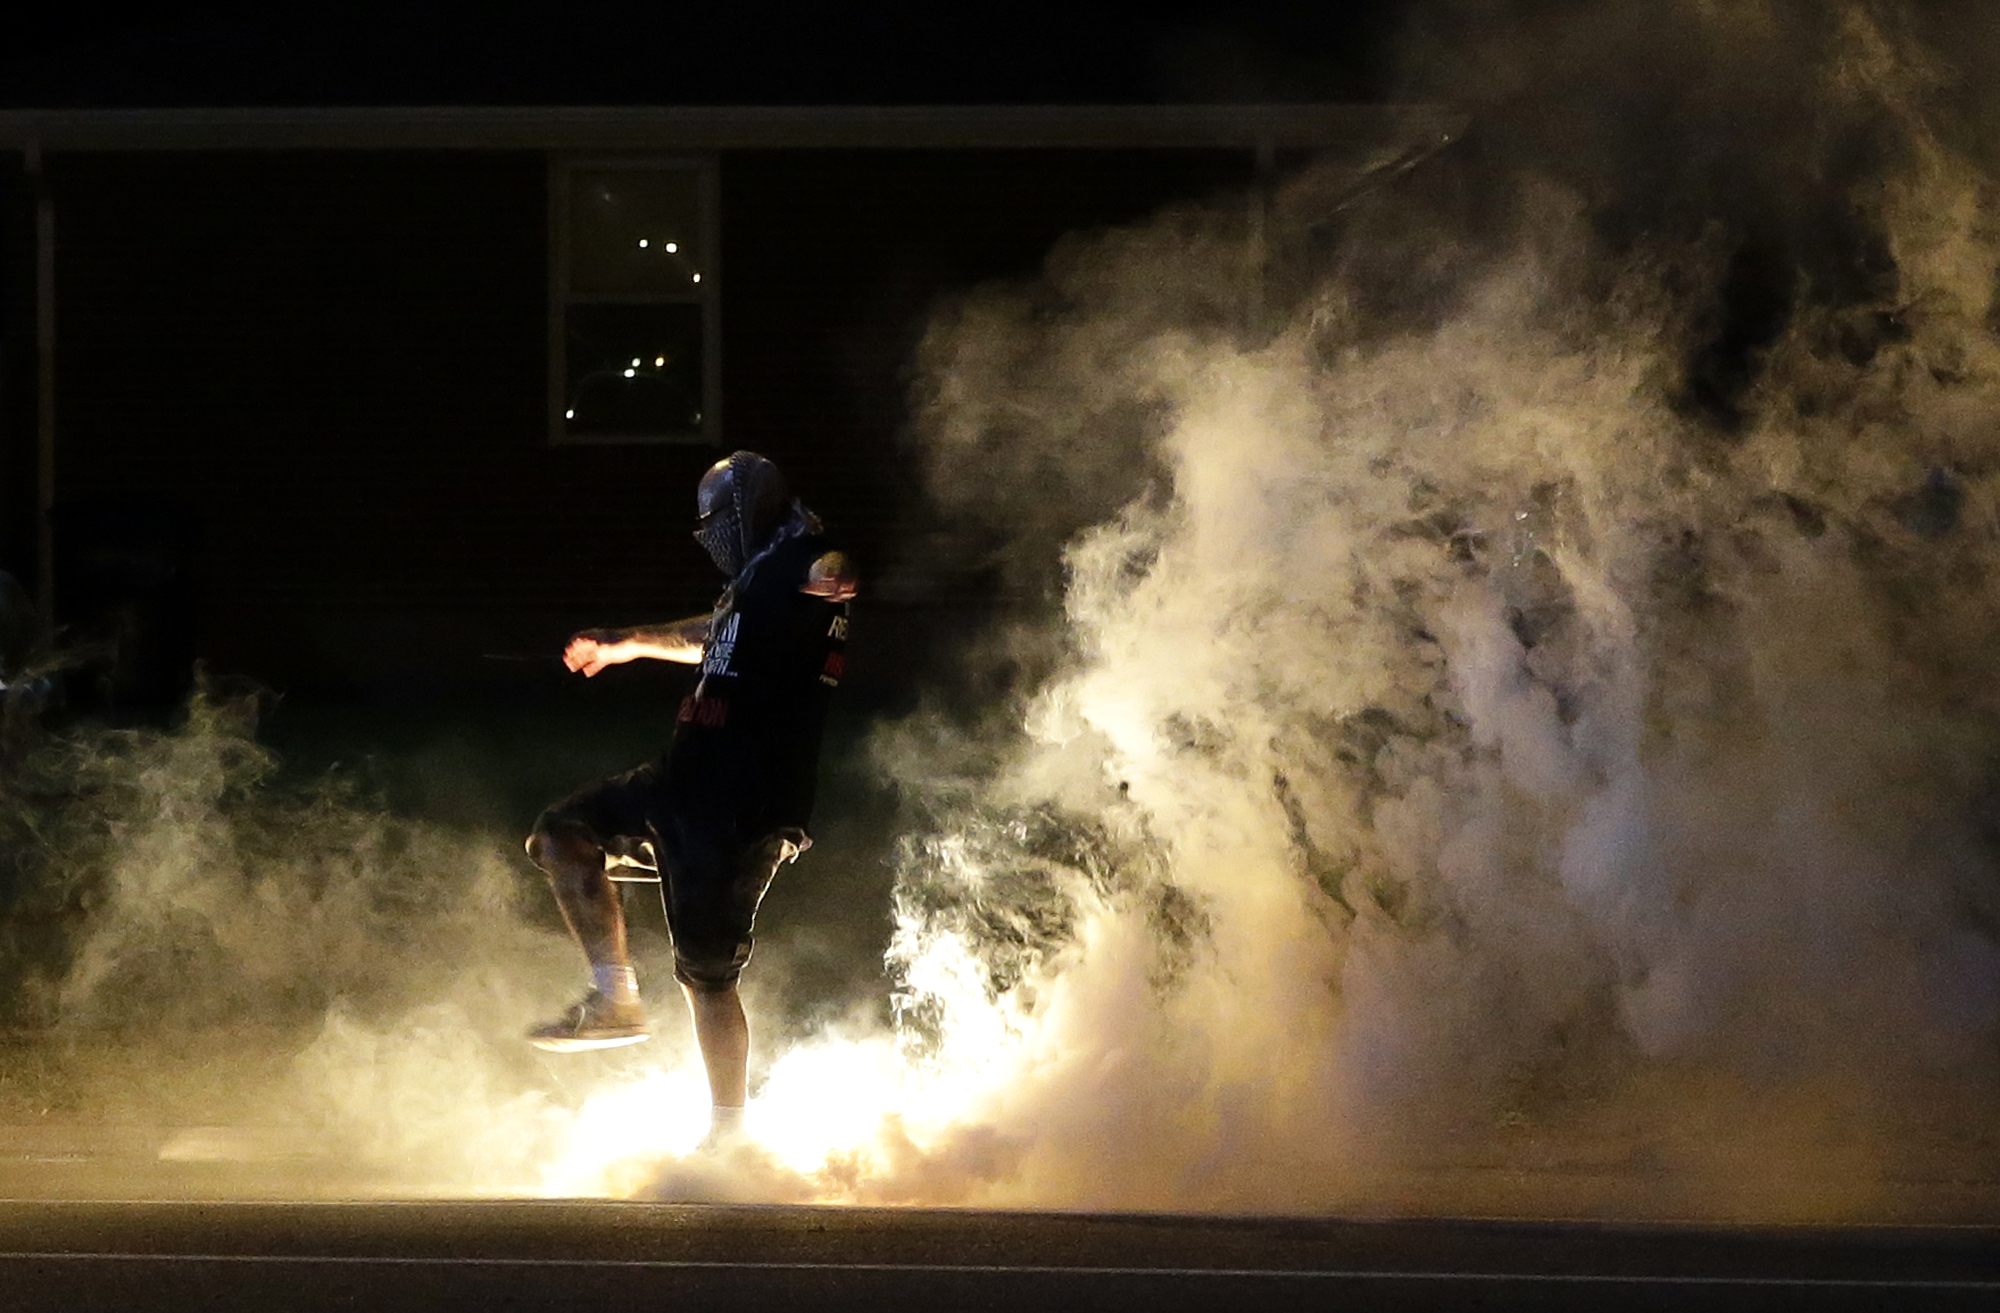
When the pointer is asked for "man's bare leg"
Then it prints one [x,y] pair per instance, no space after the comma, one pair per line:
[596,918]
[723,1033]
[590,905]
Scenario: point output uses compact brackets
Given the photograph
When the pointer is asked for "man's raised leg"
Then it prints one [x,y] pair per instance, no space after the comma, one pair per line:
[611,1013]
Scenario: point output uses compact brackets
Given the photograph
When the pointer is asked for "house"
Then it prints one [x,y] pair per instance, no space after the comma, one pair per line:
[353,397]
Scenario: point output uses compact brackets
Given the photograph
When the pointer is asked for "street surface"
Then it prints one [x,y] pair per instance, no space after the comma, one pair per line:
[107,1216]
[493,1255]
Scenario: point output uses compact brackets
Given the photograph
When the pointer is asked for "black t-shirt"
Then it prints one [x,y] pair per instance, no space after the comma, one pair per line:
[747,739]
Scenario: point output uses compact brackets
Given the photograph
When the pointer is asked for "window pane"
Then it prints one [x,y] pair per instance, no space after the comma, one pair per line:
[633,370]
[634,231]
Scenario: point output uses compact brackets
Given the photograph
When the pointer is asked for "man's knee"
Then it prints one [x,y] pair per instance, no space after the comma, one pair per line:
[710,966]
[557,849]
[538,846]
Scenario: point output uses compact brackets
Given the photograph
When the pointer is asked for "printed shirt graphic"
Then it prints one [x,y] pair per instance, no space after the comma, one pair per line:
[721,645]
[747,739]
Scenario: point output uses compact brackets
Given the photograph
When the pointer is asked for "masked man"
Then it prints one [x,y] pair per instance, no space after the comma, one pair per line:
[729,802]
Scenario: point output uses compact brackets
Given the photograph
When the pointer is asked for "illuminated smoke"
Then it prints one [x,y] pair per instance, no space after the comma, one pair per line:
[271,954]
[1529,702]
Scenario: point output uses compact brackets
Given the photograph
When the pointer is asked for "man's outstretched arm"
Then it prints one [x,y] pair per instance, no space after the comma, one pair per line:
[677,640]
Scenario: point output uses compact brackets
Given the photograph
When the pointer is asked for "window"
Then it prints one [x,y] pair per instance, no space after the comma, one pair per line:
[633,317]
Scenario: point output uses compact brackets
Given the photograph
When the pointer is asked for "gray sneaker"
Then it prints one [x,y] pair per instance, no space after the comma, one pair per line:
[594,1023]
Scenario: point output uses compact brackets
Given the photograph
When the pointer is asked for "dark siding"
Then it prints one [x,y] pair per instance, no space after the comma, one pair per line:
[834,261]
[17,374]
[301,373]
[301,395]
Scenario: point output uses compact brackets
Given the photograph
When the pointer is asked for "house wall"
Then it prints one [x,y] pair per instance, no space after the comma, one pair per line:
[17,373]
[300,395]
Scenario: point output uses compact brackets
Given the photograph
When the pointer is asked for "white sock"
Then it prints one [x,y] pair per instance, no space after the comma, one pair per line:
[620,984]
[725,1119]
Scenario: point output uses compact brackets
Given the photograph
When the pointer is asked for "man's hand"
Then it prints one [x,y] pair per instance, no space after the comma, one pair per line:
[594,649]
[832,577]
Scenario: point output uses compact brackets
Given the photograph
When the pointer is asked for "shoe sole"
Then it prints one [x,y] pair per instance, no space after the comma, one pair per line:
[581,1043]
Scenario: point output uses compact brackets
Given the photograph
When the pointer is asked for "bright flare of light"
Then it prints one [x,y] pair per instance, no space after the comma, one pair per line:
[642,244]
[828,1098]
[697,278]
[673,248]
[569,414]
[837,1112]
[659,362]
[630,373]
[617,1136]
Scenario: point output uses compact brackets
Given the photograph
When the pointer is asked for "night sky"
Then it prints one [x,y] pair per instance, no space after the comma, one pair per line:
[621,52]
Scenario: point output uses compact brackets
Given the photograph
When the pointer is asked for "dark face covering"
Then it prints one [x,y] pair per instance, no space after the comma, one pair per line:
[742,502]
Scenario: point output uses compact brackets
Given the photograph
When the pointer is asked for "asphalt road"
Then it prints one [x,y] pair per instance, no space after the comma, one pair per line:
[544,1255]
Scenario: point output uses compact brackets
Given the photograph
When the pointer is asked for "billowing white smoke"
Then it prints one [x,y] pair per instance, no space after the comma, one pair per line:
[1465,746]
[241,951]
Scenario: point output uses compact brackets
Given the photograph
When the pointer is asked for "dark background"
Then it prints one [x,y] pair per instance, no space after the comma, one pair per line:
[300,397]
[628,52]
[301,405]
[303,449]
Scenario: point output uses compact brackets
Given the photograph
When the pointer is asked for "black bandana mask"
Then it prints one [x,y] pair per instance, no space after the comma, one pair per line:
[742,502]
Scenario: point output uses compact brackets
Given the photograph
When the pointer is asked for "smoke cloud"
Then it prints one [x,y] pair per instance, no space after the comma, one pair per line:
[274,967]
[1525,702]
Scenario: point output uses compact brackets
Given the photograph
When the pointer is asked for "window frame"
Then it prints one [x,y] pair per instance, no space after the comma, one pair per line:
[708,297]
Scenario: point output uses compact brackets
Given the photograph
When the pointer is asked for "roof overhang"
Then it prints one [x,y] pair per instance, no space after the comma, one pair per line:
[905,127]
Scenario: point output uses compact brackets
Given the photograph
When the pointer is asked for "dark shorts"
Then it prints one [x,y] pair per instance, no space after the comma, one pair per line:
[712,876]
